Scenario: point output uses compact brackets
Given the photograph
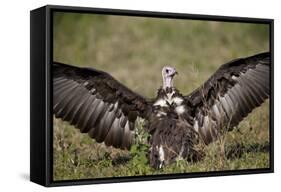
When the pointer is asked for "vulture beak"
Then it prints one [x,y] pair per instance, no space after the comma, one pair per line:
[175,73]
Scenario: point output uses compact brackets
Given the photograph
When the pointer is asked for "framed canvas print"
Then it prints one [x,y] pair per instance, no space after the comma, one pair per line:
[121,95]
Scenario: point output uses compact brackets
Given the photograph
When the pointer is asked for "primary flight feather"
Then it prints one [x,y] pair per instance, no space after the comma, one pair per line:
[99,105]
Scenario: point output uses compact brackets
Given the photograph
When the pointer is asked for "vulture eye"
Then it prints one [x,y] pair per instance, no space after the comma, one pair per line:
[167,70]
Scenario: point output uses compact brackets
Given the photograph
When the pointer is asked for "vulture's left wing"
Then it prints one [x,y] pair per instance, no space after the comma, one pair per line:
[97,104]
[230,94]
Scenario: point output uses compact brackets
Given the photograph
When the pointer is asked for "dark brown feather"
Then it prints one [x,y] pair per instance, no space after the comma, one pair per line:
[234,90]
[86,98]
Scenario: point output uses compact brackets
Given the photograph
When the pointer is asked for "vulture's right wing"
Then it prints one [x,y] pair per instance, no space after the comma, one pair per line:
[230,94]
[97,104]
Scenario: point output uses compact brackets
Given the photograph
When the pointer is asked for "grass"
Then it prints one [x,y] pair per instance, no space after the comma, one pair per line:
[134,50]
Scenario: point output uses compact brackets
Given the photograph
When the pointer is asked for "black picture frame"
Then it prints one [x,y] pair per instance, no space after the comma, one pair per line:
[41,132]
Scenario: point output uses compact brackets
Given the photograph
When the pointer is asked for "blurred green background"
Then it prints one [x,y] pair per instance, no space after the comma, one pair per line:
[134,50]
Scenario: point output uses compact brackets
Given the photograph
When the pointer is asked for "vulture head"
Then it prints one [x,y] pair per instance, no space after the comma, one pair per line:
[168,73]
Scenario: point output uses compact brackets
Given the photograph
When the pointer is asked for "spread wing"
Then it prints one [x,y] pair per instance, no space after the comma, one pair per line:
[230,94]
[97,104]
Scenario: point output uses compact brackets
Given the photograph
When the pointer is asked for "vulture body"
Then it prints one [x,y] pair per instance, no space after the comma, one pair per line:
[99,105]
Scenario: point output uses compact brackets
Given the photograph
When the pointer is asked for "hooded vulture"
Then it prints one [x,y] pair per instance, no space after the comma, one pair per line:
[99,105]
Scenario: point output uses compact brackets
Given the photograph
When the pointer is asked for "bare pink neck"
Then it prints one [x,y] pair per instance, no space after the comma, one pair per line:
[167,82]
